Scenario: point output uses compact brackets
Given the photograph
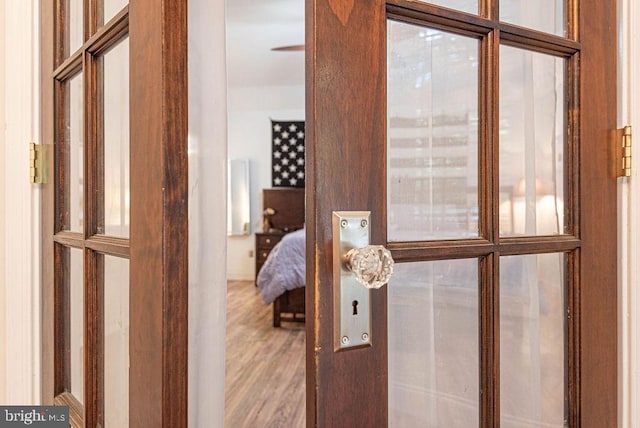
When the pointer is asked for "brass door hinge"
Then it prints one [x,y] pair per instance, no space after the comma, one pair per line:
[37,163]
[623,152]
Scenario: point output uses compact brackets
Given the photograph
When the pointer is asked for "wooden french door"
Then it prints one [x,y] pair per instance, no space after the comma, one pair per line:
[477,133]
[114,222]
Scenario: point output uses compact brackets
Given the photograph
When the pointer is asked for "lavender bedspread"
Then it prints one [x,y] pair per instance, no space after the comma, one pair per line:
[284,268]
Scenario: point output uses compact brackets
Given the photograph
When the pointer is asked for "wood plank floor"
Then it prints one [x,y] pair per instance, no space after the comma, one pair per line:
[265,366]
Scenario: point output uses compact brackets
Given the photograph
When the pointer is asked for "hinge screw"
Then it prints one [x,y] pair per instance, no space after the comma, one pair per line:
[345,340]
[365,337]
[343,224]
[364,223]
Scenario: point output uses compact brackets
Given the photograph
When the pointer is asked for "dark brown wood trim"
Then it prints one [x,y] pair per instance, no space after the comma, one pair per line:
[96,225]
[489,9]
[428,15]
[426,12]
[69,239]
[489,340]
[88,25]
[109,34]
[75,408]
[598,229]
[538,244]
[175,129]
[93,340]
[572,162]
[488,150]
[508,246]
[573,338]
[61,322]
[440,250]
[108,245]
[95,11]
[61,156]
[89,142]
[102,40]
[47,39]
[490,287]
[421,13]
[537,41]
[70,67]
[159,192]
[360,145]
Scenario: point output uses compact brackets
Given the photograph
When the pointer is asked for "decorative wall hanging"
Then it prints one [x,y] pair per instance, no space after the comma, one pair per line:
[287,164]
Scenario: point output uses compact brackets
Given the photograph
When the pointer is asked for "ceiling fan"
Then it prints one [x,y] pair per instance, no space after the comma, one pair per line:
[290,48]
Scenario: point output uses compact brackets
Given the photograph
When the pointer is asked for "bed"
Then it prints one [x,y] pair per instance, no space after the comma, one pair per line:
[281,277]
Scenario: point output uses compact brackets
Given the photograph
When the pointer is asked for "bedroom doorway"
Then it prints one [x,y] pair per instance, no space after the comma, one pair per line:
[265,365]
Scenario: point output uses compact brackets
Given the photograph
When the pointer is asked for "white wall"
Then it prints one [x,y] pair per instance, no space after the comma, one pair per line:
[3,325]
[251,110]
[22,203]
[207,212]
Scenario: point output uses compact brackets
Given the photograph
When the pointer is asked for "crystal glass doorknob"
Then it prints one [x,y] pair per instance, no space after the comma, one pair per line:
[372,265]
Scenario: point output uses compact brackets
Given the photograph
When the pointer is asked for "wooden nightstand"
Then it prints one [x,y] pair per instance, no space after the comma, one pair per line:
[264,244]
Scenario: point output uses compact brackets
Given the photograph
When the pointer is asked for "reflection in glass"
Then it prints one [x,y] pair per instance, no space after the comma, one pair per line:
[116,140]
[433,344]
[76,323]
[432,160]
[541,15]
[74,156]
[469,6]
[532,341]
[75,22]
[112,7]
[532,137]
[116,342]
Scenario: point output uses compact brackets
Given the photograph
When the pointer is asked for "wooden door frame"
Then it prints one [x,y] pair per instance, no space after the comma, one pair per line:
[629,204]
[338,91]
[159,228]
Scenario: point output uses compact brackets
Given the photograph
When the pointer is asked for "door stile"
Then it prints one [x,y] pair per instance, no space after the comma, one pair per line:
[336,102]
[159,227]
[598,295]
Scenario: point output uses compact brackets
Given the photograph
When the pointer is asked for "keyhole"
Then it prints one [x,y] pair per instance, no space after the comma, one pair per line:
[355,307]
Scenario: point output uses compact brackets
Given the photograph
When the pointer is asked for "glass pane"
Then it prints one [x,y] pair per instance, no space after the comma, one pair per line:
[75,22]
[112,7]
[432,164]
[116,342]
[76,323]
[433,344]
[532,143]
[74,156]
[470,6]
[541,15]
[116,141]
[532,341]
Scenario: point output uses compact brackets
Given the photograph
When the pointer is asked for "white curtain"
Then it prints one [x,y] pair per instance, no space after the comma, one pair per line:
[433,194]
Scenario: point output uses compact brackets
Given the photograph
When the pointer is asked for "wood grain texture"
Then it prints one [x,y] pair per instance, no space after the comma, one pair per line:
[47,201]
[345,109]
[265,366]
[346,116]
[598,221]
[158,344]
[288,204]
